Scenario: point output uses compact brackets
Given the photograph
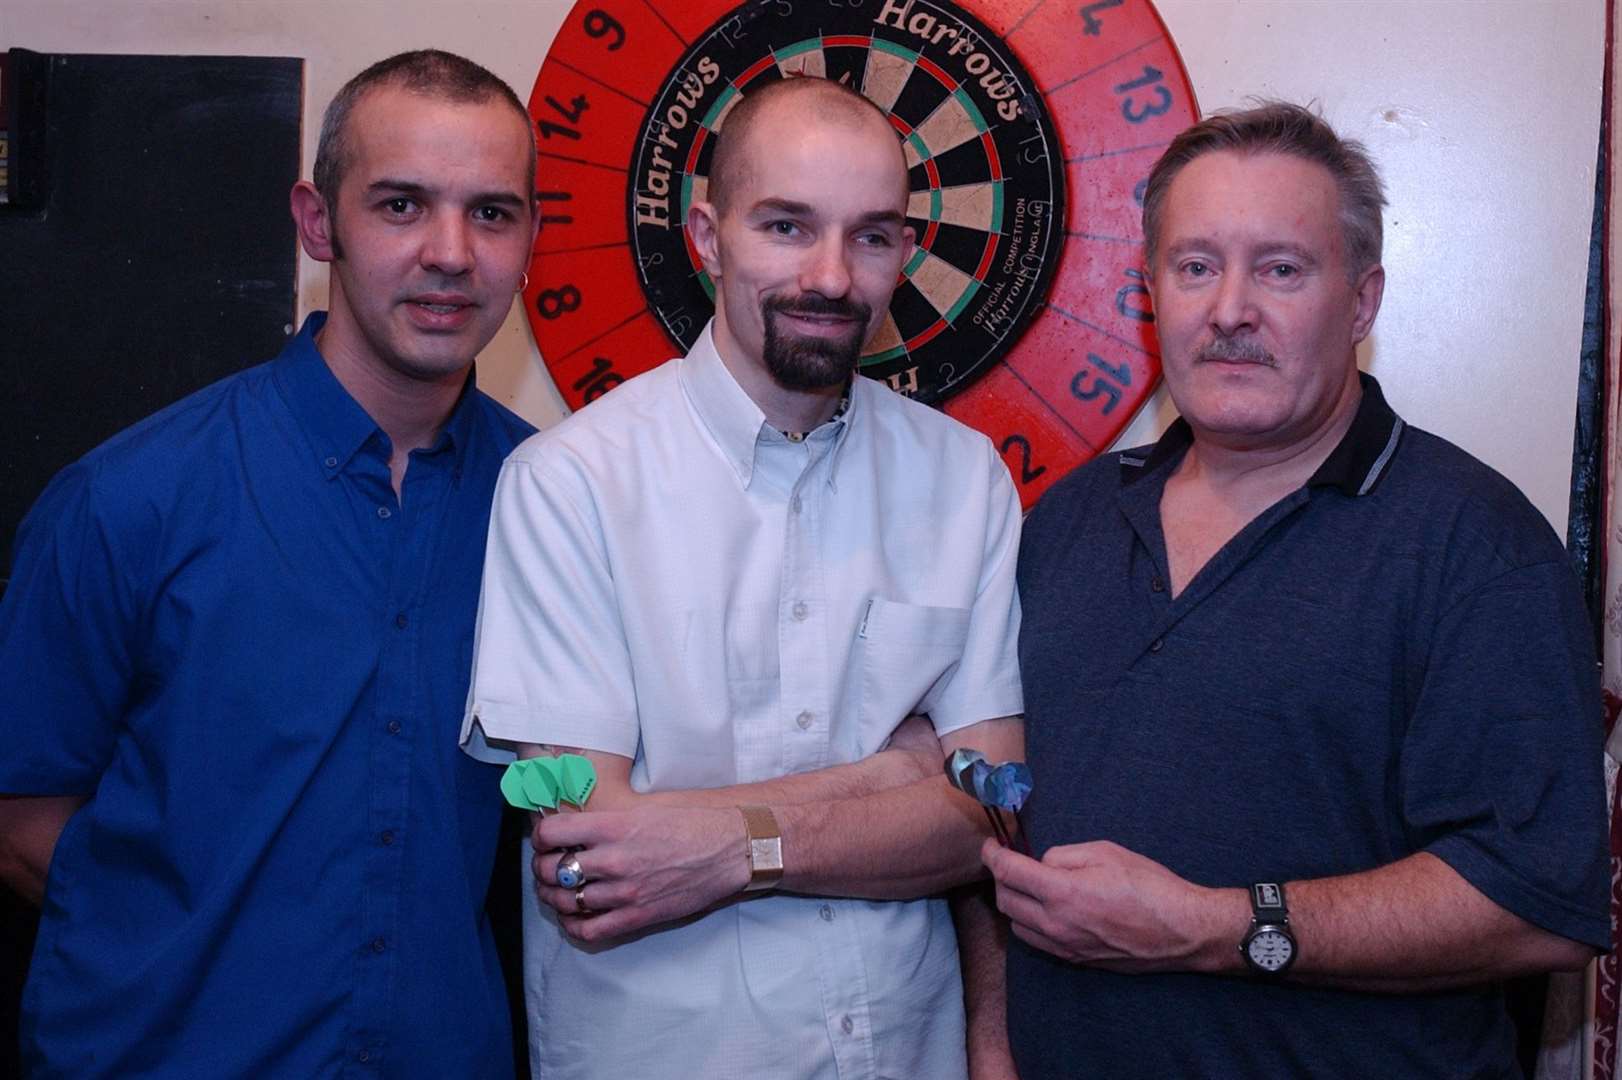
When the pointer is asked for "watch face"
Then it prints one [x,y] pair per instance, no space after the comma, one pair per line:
[1270,950]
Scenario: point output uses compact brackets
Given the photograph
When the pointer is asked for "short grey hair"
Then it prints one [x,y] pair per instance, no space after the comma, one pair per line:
[1280,127]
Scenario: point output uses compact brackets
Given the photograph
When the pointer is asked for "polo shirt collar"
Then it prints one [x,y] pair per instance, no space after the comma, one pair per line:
[1356,465]
[1360,460]
[730,415]
[337,425]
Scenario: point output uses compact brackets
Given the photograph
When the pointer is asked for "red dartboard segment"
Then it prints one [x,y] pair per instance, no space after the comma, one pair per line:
[1075,360]
[1134,96]
[1086,377]
[590,197]
[1034,441]
[580,296]
[1099,183]
[1105,287]
[688,20]
[619,44]
[1063,41]
[579,119]
[603,364]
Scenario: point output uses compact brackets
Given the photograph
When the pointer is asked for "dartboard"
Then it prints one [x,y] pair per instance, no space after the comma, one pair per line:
[1029,128]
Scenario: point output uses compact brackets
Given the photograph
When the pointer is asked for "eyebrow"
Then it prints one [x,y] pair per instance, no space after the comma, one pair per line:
[883,217]
[1204,243]
[419,192]
[781,206]
[794,208]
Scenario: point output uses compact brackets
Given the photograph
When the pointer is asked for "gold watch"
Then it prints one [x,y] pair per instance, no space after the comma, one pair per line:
[765,847]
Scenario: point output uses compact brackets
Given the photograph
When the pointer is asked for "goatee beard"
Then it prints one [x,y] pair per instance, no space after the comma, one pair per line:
[807,363]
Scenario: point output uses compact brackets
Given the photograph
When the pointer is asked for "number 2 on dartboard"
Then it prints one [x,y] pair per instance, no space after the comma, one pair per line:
[1023,445]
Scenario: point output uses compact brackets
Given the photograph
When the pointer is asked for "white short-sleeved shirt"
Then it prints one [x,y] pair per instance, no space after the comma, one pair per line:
[670,579]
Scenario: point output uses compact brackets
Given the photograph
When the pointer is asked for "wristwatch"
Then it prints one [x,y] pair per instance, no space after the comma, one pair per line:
[765,847]
[1269,947]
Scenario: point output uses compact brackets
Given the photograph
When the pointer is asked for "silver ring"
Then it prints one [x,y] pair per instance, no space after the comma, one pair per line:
[580,901]
[570,875]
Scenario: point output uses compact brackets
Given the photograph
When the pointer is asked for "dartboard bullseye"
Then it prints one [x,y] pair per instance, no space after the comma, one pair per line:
[1029,128]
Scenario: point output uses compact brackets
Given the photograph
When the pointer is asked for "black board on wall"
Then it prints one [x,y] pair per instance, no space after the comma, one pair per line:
[151,254]
[160,255]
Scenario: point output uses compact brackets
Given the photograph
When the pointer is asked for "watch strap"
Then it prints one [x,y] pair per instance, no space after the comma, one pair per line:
[765,847]
[1267,903]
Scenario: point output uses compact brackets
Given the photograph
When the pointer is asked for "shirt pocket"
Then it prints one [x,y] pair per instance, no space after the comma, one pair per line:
[909,653]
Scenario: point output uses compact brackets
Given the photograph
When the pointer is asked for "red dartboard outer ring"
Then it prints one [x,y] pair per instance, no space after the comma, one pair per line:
[1018,115]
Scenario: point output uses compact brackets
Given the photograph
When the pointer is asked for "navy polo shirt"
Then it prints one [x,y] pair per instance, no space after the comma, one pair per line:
[224,628]
[1395,658]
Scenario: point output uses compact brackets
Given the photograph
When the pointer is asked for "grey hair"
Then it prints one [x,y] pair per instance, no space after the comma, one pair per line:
[1280,127]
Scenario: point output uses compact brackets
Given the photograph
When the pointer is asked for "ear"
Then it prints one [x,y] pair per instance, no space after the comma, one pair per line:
[313,221]
[704,226]
[535,222]
[909,243]
[1370,288]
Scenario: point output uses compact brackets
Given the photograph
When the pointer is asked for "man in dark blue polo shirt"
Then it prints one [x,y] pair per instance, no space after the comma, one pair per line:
[235,647]
[1311,699]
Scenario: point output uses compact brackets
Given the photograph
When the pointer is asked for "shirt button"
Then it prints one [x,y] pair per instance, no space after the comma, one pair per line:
[800,611]
[847,1025]
[386,838]
[378,944]
[804,720]
[1157,644]
[363,1057]
[394,727]
[1157,585]
[384,512]
[332,463]
[827,913]
[401,621]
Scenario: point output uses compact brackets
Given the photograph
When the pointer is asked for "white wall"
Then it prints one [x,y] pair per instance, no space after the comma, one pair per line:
[1483,113]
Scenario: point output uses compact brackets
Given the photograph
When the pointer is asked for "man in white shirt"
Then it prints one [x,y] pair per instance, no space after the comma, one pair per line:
[728,583]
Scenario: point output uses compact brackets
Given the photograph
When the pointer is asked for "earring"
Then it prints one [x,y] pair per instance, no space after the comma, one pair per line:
[523,282]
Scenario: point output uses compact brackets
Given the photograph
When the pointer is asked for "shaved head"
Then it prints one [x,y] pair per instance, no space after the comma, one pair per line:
[781,105]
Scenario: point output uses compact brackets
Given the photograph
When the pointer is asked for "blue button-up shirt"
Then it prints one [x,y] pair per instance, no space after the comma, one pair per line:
[224,628]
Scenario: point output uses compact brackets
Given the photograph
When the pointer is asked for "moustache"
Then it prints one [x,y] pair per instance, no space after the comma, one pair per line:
[1244,351]
[812,304]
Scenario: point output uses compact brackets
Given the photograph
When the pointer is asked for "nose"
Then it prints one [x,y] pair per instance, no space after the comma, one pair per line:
[827,270]
[1234,308]
[447,246]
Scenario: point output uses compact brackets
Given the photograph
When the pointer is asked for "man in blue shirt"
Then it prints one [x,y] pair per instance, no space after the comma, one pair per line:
[1310,694]
[235,647]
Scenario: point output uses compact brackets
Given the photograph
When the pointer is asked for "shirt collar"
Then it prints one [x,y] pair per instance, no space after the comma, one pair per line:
[731,416]
[1356,465]
[337,425]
